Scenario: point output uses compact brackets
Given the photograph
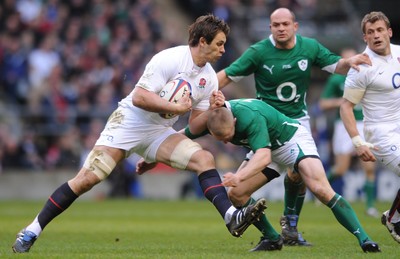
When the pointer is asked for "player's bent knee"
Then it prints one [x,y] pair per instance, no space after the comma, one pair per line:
[100,163]
[238,196]
[295,177]
[182,153]
[323,193]
[236,200]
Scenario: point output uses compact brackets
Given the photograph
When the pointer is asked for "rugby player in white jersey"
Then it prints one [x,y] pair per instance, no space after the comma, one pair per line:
[342,147]
[376,88]
[136,127]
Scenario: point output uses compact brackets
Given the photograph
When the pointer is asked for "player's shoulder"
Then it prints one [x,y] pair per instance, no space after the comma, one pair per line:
[307,40]
[176,52]
[309,46]
[262,45]
[395,49]
[208,68]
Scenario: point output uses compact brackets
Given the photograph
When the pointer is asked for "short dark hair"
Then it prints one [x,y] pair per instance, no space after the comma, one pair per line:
[372,17]
[219,120]
[206,26]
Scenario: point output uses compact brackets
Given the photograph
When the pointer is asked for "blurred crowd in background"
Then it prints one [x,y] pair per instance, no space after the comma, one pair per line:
[64,65]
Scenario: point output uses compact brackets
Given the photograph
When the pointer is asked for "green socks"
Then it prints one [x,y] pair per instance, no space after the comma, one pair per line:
[346,216]
[291,197]
[369,189]
[265,227]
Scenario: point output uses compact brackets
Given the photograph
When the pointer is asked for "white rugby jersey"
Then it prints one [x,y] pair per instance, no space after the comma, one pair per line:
[380,83]
[169,64]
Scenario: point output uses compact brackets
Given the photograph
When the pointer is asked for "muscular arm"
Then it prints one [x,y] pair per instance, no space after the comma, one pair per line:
[332,103]
[198,122]
[151,102]
[198,119]
[345,64]
[260,160]
[349,121]
[347,115]
[223,79]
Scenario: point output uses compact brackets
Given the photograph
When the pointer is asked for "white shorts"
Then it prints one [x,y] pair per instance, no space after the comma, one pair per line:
[341,140]
[300,146]
[305,122]
[124,132]
[386,137]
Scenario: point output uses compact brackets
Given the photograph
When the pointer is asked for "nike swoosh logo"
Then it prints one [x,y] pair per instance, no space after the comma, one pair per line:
[380,73]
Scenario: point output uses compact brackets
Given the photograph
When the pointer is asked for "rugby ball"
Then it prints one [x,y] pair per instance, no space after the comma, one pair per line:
[172,92]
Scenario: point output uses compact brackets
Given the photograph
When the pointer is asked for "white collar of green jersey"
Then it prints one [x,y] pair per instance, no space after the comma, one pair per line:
[228,105]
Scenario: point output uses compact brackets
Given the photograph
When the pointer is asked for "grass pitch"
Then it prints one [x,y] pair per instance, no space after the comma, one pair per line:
[178,229]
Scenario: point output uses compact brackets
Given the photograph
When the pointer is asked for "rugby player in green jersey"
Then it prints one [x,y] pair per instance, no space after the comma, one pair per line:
[281,65]
[278,143]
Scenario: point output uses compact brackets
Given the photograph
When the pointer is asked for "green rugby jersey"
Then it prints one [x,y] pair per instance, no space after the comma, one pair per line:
[282,77]
[259,125]
[334,88]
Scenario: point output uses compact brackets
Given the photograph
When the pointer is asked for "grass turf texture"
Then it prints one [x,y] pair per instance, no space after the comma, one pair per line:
[178,229]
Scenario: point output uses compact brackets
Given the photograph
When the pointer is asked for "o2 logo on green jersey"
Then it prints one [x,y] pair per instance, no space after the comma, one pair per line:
[293,96]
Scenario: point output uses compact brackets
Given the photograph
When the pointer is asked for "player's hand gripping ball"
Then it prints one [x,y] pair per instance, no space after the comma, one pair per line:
[172,92]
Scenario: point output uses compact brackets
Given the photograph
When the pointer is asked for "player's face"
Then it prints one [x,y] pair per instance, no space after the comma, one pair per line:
[214,51]
[377,36]
[283,30]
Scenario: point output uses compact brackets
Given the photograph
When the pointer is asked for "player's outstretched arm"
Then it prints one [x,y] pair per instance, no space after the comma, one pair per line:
[223,79]
[345,64]
[260,160]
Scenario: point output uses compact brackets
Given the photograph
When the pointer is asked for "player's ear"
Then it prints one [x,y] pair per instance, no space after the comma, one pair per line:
[296,26]
[390,32]
[234,121]
[202,41]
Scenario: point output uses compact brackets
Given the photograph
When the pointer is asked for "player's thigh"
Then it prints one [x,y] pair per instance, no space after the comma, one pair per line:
[182,153]
[387,138]
[301,145]
[313,173]
[310,167]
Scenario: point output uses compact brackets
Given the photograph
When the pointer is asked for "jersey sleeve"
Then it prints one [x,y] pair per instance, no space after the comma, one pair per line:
[355,84]
[157,72]
[326,59]
[245,65]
